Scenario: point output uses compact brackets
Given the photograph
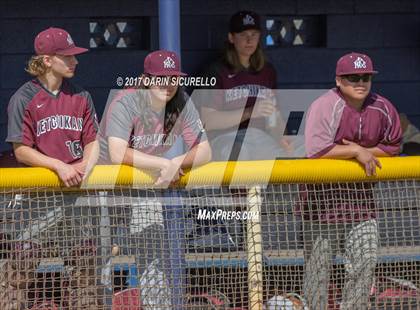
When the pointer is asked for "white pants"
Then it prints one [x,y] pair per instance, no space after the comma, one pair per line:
[358,243]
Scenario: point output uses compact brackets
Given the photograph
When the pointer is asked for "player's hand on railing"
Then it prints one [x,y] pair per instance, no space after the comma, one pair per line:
[84,168]
[169,173]
[69,174]
[80,167]
[366,158]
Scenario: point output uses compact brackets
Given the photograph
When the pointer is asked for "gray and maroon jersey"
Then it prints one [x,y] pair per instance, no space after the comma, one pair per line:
[329,121]
[59,126]
[239,90]
[130,118]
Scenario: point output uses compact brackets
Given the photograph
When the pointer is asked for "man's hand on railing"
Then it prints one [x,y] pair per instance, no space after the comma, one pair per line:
[366,158]
[170,173]
[69,174]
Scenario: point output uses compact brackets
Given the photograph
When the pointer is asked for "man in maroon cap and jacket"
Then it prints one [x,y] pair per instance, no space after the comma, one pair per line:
[347,122]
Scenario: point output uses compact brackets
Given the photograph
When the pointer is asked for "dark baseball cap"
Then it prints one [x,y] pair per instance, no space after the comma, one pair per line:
[354,63]
[162,63]
[56,41]
[244,20]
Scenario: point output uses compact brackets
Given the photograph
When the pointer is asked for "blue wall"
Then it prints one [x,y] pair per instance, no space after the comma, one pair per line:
[387,30]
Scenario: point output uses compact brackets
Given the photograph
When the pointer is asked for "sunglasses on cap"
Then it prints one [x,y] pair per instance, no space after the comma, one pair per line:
[354,78]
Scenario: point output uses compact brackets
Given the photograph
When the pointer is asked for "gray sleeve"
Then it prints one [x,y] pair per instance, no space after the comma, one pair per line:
[119,118]
[16,116]
[193,131]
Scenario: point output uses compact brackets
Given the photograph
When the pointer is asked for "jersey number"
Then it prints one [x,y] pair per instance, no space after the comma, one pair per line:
[75,148]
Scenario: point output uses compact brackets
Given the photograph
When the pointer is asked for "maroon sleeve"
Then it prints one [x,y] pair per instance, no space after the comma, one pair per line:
[90,123]
[391,141]
[28,130]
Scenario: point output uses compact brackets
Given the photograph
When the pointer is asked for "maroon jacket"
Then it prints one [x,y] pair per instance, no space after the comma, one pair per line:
[330,120]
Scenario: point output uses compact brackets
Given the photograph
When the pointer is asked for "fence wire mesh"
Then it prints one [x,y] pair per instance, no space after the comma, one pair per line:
[326,246]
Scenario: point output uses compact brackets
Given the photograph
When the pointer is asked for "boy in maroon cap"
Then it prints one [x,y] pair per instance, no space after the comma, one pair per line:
[52,122]
[141,128]
[141,125]
[347,122]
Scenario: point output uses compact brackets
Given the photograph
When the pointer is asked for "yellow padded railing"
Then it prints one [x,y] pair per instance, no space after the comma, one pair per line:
[224,173]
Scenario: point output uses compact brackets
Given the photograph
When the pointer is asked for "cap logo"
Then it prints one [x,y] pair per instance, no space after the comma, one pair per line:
[359,63]
[169,63]
[248,20]
[69,40]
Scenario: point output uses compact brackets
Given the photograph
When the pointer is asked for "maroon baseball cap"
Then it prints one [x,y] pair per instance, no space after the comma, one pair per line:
[161,63]
[354,63]
[244,20]
[56,41]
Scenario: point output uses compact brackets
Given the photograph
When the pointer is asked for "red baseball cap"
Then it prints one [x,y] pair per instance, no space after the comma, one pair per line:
[354,63]
[162,63]
[56,41]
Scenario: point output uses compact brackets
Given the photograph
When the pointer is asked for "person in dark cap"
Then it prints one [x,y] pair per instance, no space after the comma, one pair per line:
[235,114]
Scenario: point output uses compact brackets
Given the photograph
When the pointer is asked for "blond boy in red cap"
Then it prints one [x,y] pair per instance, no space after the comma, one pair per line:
[52,122]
